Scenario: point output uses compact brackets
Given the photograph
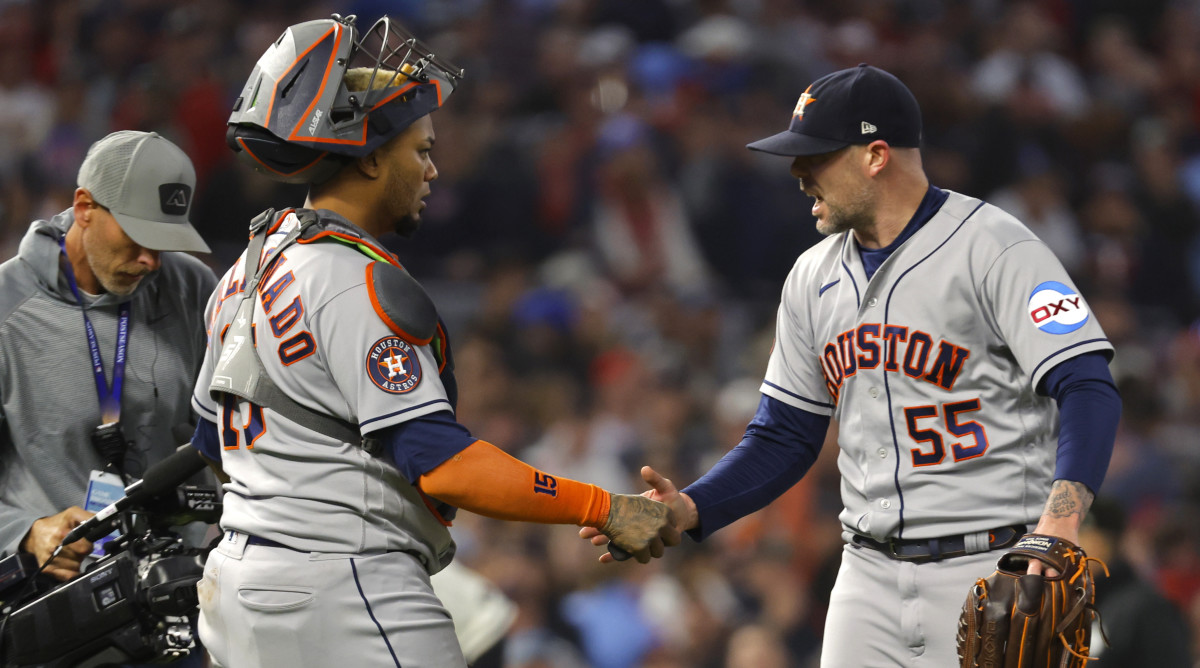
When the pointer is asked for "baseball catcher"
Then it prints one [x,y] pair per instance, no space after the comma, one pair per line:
[1017,619]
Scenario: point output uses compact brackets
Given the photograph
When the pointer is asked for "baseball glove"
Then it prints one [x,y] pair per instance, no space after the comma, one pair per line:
[1015,620]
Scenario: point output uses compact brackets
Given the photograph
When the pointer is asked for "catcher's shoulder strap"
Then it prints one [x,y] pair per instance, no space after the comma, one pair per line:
[398,299]
[240,371]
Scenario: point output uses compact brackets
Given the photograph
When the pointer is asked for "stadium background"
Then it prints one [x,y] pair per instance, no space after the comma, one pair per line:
[608,255]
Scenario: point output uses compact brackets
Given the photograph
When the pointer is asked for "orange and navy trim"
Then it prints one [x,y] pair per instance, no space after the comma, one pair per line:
[333,53]
[392,324]
[279,221]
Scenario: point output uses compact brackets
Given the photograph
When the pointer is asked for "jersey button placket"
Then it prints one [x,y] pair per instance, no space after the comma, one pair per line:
[885,504]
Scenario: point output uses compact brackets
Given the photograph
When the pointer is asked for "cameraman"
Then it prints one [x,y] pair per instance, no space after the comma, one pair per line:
[101,337]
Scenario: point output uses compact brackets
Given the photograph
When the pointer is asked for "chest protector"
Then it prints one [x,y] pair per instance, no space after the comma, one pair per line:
[240,372]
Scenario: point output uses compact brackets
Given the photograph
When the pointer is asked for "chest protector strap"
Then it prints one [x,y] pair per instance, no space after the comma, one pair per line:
[240,371]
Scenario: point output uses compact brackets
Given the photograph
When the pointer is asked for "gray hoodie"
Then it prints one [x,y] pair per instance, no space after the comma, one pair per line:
[48,402]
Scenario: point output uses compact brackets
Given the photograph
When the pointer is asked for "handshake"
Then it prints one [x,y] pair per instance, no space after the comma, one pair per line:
[643,526]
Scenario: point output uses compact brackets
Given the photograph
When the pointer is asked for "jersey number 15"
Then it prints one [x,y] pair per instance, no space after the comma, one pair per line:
[251,430]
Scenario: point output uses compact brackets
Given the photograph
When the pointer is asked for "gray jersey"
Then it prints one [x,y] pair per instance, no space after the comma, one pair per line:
[930,368]
[320,337]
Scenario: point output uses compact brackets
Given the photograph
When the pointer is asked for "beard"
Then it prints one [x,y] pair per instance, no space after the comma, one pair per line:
[106,268]
[404,206]
[407,226]
[858,212]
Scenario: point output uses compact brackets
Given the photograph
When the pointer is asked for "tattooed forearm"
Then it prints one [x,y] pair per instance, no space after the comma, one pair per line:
[1068,498]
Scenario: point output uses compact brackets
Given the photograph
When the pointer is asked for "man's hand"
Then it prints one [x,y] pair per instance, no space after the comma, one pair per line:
[683,516]
[45,535]
[1016,617]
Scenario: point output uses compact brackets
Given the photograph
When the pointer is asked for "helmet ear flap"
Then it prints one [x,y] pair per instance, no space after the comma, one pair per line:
[279,159]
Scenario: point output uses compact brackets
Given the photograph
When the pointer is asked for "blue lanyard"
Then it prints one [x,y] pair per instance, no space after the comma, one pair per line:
[110,399]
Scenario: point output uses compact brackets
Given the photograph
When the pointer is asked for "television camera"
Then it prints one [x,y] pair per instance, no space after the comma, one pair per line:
[135,604]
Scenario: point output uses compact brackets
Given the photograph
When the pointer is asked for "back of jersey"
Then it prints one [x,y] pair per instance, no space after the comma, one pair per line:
[317,328]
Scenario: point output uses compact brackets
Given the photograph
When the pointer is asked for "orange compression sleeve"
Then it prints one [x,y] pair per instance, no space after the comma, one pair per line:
[488,481]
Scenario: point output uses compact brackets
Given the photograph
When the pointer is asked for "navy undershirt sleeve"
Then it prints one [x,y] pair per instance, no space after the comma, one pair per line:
[1089,409]
[780,445]
[418,446]
[207,440]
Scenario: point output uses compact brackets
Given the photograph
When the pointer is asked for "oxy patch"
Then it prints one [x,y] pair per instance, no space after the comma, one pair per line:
[393,366]
[1055,308]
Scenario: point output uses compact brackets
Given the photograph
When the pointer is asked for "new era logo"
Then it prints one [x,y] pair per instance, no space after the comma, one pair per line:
[868,129]
[175,198]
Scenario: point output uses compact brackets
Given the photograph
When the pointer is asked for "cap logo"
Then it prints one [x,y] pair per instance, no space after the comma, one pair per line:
[174,198]
[804,101]
[868,129]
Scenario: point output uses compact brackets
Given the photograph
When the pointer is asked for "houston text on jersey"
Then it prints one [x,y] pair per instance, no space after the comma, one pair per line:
[896,347]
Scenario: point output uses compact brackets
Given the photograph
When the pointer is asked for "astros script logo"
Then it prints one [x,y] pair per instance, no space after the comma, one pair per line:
[393,366]
[1056,308]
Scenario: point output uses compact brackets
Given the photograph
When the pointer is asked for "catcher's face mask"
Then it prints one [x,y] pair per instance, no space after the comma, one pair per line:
[297,120]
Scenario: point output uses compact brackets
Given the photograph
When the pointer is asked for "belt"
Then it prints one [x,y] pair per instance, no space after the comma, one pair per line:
[264,542]
[255,540]
[936,549]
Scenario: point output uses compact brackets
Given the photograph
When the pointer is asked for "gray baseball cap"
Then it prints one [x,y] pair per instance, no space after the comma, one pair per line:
[147,183]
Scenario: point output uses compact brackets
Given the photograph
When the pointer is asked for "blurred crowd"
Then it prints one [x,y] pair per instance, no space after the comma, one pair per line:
[608,256]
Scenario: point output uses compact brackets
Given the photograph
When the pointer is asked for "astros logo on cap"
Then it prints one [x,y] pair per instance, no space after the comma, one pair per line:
[393,366]
[804,101]
[1056,308]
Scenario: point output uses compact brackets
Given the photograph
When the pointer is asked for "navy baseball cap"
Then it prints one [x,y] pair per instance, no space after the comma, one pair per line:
[852,106]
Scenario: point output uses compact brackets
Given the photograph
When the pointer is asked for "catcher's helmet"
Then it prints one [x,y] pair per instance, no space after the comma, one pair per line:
[297,121]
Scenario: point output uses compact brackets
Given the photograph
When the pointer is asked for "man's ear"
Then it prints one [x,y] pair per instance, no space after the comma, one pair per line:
[82,204]
[369,166]
[877,156]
